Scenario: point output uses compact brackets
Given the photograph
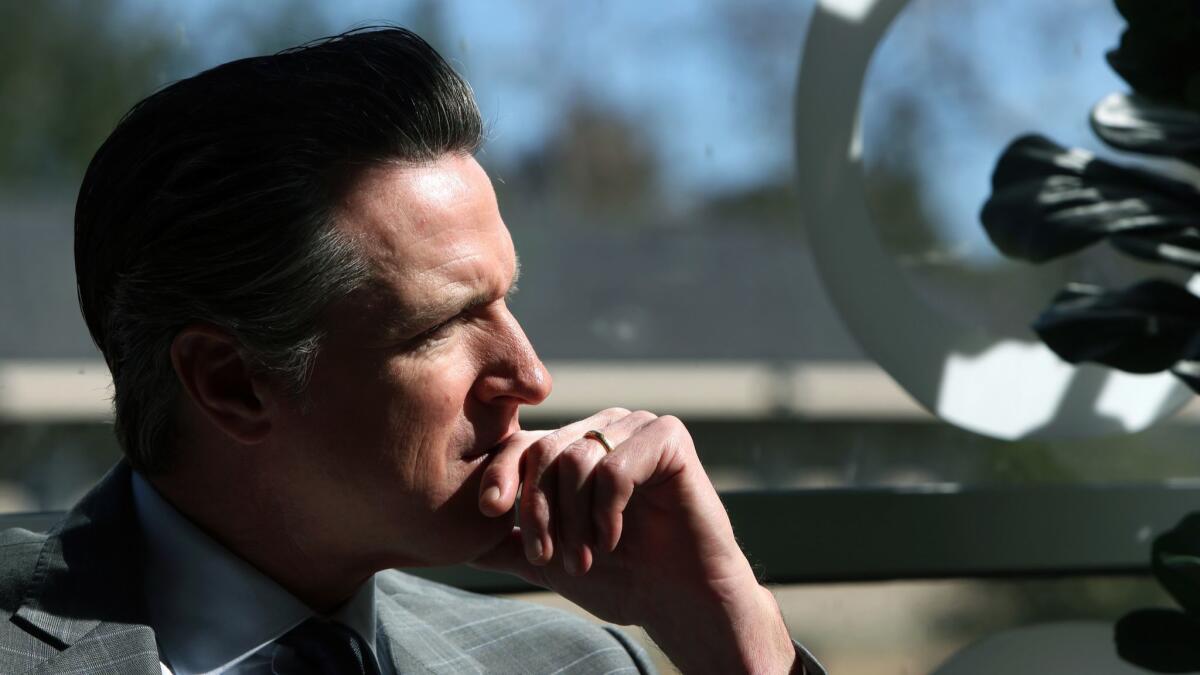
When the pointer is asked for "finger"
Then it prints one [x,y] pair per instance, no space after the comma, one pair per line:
[616,434]
[652,453]
[508,556]
[502,479]
[574,503]
[536,523]
[535,513]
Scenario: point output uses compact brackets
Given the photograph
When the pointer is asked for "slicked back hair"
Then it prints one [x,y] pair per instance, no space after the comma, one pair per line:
[214,201]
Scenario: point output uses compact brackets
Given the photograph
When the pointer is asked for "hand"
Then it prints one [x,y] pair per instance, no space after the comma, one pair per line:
[637,536]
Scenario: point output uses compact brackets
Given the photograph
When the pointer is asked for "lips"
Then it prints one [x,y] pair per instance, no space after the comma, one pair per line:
[476,454]
[486,447]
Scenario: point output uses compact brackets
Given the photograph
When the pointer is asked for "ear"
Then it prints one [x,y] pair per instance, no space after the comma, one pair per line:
[220,383]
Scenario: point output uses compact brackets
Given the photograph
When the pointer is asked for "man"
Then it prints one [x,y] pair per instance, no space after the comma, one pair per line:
[297,273]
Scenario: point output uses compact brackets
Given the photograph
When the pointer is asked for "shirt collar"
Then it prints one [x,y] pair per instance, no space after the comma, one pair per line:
[209,608]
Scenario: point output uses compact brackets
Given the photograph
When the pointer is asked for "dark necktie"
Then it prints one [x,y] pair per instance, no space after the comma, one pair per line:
[329,648]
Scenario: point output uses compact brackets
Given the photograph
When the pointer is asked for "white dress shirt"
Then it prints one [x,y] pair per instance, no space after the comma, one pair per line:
[213,612]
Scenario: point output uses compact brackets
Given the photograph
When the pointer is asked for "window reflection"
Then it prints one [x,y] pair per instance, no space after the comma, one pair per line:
[643,162]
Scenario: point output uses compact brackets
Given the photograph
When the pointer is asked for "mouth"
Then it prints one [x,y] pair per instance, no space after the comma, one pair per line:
[475,455]
[486,449]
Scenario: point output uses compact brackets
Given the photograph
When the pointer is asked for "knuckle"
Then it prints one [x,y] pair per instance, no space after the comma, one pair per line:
[577,446]
[643,416]
[542,452]
[493,477]
[614,412]
[575,458]
[672,424]
[611,470]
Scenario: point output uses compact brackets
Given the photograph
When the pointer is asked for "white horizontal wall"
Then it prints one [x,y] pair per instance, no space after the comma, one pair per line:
[736,390]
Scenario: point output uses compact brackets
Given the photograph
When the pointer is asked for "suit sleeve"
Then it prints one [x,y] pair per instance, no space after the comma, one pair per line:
[640,659]
[644,667]
[811,665]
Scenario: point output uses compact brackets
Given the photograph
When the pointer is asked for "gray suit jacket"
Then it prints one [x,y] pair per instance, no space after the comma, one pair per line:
[71,602]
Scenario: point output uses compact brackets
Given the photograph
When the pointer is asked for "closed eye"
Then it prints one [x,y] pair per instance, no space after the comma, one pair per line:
[442,330]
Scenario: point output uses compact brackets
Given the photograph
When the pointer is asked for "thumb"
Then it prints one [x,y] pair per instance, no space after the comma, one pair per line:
[502,478]
[508,556]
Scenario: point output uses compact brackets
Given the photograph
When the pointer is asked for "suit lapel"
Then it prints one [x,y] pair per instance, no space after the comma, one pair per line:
[108,648]
[85,597]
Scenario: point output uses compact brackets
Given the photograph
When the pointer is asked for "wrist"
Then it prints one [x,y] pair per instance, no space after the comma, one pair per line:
[733,628]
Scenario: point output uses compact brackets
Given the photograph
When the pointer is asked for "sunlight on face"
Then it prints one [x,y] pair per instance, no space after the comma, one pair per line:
[422,373]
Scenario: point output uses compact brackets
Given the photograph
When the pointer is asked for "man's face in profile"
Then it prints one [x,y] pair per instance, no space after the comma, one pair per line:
[420,374]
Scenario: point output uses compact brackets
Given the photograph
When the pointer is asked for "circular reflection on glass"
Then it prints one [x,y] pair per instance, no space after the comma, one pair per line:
[902,110]
[949,86]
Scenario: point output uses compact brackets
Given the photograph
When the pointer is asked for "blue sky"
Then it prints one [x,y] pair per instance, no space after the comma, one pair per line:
[717,124]
[667,65]
[1036,68]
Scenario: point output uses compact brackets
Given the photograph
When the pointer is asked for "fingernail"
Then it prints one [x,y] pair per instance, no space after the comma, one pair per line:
[571,563]
[534,550]
[492,495]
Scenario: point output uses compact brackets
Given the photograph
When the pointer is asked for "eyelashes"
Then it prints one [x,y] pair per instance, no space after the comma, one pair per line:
[428,337]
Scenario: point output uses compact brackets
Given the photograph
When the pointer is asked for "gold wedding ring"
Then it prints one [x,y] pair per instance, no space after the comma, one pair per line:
[596,435]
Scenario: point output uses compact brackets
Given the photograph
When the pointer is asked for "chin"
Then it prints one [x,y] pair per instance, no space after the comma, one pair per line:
[464,536]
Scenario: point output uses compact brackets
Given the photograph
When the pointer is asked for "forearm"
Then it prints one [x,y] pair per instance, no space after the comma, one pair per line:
[741,631]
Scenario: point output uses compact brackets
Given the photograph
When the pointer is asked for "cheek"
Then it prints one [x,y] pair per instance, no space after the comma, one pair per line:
[425,423]
[429,394]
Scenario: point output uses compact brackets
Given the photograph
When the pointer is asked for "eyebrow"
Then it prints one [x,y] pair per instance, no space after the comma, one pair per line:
[412,321]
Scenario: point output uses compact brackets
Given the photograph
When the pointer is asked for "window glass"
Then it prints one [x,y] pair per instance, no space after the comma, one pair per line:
[643,159]
[950,85]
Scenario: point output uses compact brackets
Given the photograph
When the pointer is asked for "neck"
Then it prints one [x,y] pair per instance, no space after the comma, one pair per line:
[246,509]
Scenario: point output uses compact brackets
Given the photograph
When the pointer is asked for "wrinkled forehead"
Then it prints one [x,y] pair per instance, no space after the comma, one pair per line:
[429,229]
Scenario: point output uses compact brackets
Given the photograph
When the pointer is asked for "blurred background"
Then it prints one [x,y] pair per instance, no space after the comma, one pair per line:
[643,158]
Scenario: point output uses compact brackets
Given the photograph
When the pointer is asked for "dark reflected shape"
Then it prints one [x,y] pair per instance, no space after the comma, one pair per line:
[1138,124]
[1159,53]
[1167,640]
[1145,328]
[1175,562]
[1049,201]
[1181,248]
[1160,640]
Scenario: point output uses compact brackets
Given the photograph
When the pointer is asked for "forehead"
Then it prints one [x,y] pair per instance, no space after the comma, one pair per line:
[429,230]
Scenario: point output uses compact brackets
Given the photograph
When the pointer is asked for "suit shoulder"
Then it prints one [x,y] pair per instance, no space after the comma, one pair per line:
[508,635]
[423,595]
[19,552]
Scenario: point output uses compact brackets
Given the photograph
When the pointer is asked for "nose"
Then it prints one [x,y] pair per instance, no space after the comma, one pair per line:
[514,374]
